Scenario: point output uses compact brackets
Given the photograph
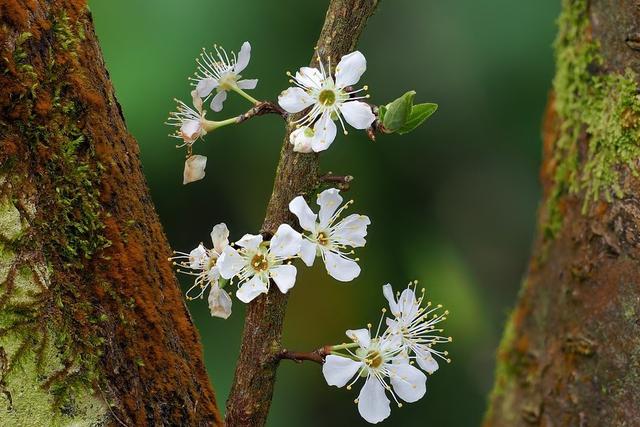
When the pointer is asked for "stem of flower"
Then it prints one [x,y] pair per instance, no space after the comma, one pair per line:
[344,346]
[211,125]
[245,95]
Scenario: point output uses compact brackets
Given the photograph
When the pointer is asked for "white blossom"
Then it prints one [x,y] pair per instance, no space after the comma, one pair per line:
[191,123]
[194,168]
[221,71]
[302,139]
[255,262]
[385,367]
[414,325]
[329,98]
[329,237]
[203,263]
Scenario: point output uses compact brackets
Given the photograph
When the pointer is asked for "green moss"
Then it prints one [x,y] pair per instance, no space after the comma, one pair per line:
[604,107]
[10,222]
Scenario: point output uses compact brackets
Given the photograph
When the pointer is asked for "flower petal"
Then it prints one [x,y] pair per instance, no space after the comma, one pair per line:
[357,114]
[308,252]
[220,237]
[248,84]
[329,201]
[243,58]
[426,361]
[373,403]
[219,302]
[198,257]
[352,230]
[250,241]
[306,217]
[251,289]
[324,133]
[338,370]
[301,141]
[340,268]
[194,169]
[218,100]
[205,86]
[360,336]
[197,100]
[350,68]
[409,383]
[408,304]
[387,291]
[284,276]
[230,263]
[294,100]
[309,77]
[285,242]
[190,130]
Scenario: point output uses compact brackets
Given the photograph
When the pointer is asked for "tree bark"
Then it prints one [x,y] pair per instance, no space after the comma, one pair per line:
[297,174]
[93,328]
[570,355]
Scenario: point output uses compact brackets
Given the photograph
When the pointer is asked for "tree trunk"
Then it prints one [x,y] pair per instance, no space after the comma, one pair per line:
[297,174]
[93,328]
[570,355]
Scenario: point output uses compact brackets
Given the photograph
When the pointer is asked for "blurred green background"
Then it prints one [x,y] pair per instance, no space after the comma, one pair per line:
[452,204]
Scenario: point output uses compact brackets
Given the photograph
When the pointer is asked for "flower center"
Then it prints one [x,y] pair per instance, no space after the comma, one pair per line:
[227,81]
[373,359]
[327,97]
[322,238]
[308,132]
[259,263]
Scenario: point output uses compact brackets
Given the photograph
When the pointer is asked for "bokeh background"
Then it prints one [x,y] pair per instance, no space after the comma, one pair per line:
[452,204]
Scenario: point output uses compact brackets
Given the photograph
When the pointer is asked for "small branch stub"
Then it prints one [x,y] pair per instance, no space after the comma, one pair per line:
[317,355]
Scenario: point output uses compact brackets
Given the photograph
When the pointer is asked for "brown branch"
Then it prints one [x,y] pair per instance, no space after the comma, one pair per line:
[262,108]
[343,182]
[316,355]
[297,173]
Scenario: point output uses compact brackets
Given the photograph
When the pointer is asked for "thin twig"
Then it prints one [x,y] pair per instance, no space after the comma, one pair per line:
[262,108]
[317,355]
[343,182]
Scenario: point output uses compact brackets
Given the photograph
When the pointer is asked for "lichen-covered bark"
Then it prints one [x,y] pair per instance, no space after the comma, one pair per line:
[297,174]
[570,355]
[93,328]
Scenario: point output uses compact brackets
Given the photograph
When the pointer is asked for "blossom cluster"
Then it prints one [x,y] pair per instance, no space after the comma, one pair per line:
[253,262]
[387,360]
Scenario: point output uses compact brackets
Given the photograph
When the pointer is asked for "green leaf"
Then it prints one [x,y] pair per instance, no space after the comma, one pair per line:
[419,113]
[397,112]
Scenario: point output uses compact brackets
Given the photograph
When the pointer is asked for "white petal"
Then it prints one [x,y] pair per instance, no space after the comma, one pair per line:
[218,100]
[301,209]
[308,252]
[285,242]
[350,68]
[342,269]
[426,361]
[408,304]
[250,241]
[194,168]
[198,257]
[230,263]
[373,403]
[294,100]
[309,77]
[220,237]
[387,291]
[251,289]
[219,302]
[284,276]
[243,58]
[338,370]
[197,100]
[352,230]
[205,86]
[190,130]
[324,133]
[409,383]
[357,114]
[248,84]
[302,143]
[329,201]
[360,336]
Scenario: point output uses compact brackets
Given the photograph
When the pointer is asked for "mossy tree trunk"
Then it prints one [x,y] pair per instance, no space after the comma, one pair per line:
[93,328]
[570,355]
